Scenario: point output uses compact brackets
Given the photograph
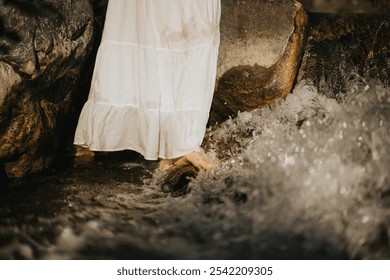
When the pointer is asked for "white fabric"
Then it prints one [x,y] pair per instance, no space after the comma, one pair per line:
[154,78]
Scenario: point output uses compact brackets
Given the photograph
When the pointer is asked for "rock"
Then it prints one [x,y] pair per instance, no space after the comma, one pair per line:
[347,6]
[43,49]
[3,175]
[99,10]
[176,179]
[345,47]
[261,47]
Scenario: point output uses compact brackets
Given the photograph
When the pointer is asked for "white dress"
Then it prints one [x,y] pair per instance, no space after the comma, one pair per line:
[154,78]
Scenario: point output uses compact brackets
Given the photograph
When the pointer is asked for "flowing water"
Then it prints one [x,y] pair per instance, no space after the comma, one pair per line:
[306,178]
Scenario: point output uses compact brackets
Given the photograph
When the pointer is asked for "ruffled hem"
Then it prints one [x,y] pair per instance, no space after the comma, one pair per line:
[152,133]
[154,79]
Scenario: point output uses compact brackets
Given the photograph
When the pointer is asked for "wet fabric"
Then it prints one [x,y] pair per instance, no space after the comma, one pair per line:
[154,78]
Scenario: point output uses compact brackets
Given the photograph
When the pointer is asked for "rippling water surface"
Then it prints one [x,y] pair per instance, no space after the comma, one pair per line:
[307,177]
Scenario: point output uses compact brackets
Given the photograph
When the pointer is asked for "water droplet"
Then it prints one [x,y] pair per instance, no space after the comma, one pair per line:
[365,219]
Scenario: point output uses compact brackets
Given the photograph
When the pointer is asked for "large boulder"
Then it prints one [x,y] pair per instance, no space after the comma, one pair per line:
[43,49]
[262,42]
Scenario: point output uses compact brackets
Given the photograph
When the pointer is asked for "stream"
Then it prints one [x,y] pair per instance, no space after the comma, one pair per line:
[305,178]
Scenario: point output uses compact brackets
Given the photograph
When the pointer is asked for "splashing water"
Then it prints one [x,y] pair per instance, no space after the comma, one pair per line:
[306,178]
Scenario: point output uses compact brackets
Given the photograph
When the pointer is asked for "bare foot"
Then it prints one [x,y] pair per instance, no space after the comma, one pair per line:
[165,164]
[197,159]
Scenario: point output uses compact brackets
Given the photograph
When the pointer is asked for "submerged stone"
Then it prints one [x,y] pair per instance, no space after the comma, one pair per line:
[177,178]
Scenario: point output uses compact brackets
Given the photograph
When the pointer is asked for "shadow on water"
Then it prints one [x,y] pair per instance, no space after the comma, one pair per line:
[67,195]
[111,207]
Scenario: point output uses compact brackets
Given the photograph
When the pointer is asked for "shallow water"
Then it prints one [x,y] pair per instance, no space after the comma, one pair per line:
[306,178]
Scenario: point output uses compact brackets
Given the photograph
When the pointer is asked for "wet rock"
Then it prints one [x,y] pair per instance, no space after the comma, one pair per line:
[345,48]
[347,6]
[43,48]
[3,175]
[99,8]
[261,47]
[177,178]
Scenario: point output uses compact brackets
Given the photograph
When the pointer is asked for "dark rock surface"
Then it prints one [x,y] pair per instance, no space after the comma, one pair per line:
[177,178]
[353,46]
[43,47]
[261,47]
[3,175]
[347,6]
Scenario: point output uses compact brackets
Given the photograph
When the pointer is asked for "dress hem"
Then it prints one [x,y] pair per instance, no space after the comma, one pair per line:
[151,158]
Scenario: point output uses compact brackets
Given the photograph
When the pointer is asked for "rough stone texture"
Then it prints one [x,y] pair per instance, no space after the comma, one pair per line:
[43,45]
[261,47]
[346,47]
[347,6]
